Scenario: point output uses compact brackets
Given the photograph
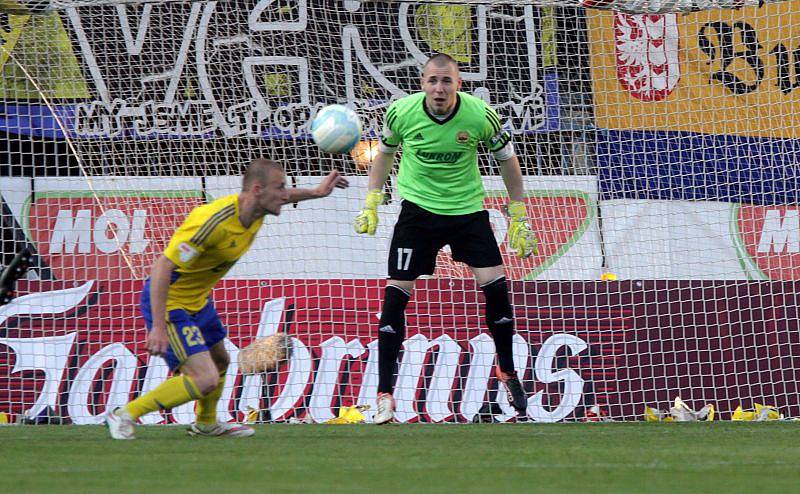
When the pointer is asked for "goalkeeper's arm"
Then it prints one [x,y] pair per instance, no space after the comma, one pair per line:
[520,237]
[367,219]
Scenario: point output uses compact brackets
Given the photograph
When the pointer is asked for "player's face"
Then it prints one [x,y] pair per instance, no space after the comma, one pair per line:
[440,85]
[274,193]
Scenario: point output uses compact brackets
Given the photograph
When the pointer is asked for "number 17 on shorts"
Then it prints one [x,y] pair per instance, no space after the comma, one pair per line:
[404,258]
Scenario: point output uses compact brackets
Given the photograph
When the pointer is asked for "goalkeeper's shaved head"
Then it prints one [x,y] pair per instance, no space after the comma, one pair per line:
[258,171]
[440,60]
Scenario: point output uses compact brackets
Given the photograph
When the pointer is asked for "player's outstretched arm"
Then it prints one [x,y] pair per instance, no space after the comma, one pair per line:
[520,236]
[334,180]
[367,219]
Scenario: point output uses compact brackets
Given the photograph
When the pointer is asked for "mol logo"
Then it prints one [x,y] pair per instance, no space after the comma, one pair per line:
[106,235]
[75,231]
[768,240]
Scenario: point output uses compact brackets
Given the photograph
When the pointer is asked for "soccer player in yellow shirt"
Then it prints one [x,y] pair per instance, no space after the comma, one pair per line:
[183,325]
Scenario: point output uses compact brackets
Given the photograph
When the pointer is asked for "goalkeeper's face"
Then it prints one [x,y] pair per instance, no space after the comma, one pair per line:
[441,85]
[273,194]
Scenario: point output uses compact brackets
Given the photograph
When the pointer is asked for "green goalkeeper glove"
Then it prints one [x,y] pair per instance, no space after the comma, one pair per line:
[367,220]
[520,236]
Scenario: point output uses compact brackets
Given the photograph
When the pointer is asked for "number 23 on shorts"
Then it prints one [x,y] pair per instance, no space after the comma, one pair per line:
[193,335]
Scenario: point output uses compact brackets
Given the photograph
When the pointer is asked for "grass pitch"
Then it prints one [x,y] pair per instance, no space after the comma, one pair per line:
[530,458]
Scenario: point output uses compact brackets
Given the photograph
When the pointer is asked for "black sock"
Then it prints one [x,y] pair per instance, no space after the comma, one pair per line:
[391,333]
[500,320]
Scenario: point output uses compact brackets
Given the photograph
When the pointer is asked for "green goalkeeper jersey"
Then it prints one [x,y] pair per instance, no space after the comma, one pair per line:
[439,167]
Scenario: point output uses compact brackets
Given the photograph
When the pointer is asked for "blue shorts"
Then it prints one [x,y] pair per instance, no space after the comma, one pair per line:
[188,333]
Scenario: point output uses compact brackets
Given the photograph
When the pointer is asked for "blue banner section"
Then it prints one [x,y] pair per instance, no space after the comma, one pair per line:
[552,97]
[97,121]
[35,119]
[639,164]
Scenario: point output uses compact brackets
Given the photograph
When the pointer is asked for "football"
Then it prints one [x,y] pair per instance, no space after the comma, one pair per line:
[336,129]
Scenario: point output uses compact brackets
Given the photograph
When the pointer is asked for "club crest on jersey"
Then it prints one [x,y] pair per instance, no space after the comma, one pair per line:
[462,137]
[186,252]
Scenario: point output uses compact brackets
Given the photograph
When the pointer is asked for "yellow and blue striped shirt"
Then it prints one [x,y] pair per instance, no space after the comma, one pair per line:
[205,247]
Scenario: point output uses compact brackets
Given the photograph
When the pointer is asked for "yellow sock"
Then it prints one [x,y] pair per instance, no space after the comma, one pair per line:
[169,394]
[207,406]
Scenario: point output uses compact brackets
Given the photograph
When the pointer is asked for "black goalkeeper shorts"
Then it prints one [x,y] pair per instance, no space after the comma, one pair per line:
[419,235]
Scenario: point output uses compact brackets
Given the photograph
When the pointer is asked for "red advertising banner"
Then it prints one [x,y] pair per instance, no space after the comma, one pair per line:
[116,235]
[558,217]
[768,240]
[78,349]
[105,235]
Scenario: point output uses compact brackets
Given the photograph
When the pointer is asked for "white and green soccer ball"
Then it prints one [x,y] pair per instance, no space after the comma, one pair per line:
[336,129]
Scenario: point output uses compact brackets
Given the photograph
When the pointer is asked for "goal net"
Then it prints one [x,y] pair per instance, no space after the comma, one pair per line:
[659,153]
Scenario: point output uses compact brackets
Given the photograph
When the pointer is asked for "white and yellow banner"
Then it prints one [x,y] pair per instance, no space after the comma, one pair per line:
[733,72]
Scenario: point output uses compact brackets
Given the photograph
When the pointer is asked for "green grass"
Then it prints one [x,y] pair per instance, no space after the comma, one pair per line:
[550,458]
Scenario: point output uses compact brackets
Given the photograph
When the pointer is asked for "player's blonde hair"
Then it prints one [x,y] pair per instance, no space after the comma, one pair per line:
[258,172]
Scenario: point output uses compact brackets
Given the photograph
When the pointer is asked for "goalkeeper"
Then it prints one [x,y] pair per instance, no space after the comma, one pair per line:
[442,192]
[183,325]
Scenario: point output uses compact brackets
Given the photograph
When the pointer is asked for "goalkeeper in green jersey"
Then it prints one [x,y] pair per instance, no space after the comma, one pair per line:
[442,192]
